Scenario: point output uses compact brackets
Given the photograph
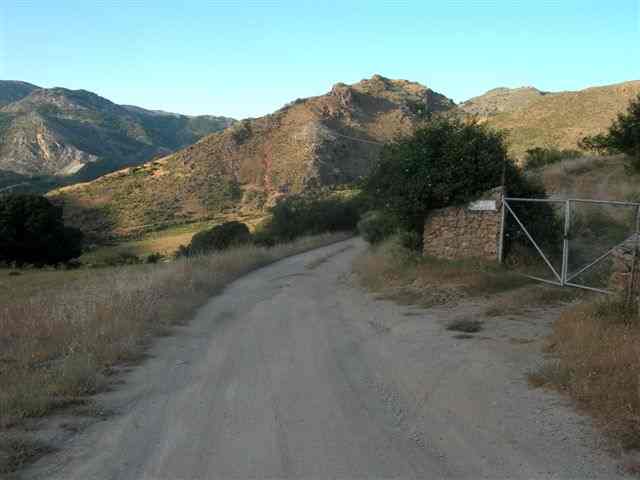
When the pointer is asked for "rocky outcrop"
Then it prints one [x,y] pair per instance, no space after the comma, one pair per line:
[67,132]
[32,148]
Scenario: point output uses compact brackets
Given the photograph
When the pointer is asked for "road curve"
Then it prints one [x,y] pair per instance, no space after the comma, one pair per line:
[292,372]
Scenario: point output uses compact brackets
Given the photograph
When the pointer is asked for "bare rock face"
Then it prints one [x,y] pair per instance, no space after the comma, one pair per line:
[344,94]
[36,149]
[62,132]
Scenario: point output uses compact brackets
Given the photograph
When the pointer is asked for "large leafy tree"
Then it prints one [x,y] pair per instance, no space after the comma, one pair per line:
[220,237]
[443,163]
[450,162]
[32,231]
[623,136]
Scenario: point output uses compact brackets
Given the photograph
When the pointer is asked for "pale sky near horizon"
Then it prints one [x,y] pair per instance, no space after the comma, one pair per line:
[248,58]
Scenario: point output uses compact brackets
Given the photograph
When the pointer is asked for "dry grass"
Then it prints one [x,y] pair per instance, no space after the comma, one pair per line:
[598,177]
[524,299]
[17,452]
[407,277]
[57,344]
[596,361]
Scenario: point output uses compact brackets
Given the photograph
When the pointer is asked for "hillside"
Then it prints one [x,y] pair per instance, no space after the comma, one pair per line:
[502,100]
[331,139]
[61,132]
[12,91]
[559,119]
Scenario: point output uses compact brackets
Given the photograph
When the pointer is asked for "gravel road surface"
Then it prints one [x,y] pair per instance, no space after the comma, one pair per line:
[294,372]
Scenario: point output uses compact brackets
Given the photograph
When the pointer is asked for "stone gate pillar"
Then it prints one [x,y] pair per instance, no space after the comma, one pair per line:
[469,231]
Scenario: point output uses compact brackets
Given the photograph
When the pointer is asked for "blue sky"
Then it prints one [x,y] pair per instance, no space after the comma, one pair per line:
[248,58]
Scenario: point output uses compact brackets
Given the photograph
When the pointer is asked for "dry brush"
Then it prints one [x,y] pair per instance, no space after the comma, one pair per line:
[59,345]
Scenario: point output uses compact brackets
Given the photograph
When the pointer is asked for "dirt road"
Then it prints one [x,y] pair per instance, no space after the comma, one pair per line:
[293,372]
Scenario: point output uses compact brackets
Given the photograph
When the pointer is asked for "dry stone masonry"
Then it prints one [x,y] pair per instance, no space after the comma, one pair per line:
[622,268]
[471,231]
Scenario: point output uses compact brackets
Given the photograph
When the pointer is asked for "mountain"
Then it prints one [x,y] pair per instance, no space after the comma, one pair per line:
[543,119]
[501,100]
[61,132]
[12,91]
[325,140]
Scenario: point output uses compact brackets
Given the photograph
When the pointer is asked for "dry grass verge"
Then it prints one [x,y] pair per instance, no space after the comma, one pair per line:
[533,297]
[404,276]
[596,361]
[59,344]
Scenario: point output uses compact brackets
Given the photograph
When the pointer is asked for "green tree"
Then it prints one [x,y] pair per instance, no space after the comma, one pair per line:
[32,231]
[539,157]
[623,136]
[450,162]
[309,214]
[220,237]
[445,162]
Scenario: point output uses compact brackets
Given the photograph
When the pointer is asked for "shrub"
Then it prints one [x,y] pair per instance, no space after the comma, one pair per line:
[220,237]
[32,231]
[182,251]
[309,214]
[376,226]
[122,258]
[154,257]
[539,157]
[410,240]
[446,162]
[623,136]
[443,163]
[449,162]
[262,235]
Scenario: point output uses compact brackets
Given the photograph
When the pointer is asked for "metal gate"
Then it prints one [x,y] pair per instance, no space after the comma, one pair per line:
[569,268]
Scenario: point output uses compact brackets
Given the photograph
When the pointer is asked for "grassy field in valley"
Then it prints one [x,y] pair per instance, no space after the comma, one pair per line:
[62,332]
[165,241]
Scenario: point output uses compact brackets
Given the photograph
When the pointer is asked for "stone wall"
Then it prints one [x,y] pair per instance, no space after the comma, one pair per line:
[471,231]
[622,266]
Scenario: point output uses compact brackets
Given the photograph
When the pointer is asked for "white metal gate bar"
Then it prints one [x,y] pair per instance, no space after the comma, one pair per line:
[564,278]
[595,262]
[544,257]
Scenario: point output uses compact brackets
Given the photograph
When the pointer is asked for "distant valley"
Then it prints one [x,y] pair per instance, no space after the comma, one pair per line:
[63,136]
